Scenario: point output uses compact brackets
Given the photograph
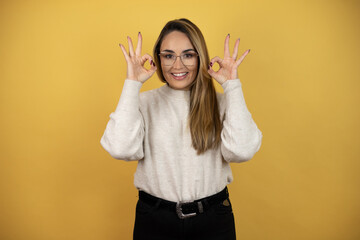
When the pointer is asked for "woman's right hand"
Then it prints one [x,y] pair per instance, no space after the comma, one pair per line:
[135,62]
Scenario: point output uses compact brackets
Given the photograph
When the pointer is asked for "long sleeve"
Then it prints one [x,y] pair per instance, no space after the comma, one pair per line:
[124,134]
[240,136]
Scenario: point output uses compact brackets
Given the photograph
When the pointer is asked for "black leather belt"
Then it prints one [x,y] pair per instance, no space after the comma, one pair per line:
[186,209]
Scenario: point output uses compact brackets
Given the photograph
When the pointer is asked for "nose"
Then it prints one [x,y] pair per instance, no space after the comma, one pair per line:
[178,63]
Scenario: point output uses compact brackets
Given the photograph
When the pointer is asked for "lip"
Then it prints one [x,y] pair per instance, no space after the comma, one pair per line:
[180,77]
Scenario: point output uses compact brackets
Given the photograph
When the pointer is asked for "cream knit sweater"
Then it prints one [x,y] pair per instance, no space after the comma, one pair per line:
[151,127]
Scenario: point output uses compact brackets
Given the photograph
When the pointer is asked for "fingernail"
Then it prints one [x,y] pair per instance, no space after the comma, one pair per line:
[229,34]
[211,64]
[139,33]
[151,62]
[249,50]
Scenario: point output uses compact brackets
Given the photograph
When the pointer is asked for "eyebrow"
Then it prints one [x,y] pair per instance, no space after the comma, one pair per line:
[171,51]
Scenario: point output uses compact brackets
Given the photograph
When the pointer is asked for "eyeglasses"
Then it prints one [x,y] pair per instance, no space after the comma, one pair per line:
[188,58]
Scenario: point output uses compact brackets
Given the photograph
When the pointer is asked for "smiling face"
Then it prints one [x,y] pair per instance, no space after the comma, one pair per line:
[178,76]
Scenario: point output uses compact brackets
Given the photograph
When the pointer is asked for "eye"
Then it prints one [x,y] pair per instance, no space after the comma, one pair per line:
[169,56]
[189,55]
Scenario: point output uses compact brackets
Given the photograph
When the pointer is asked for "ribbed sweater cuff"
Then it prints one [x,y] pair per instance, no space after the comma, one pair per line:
[231,84]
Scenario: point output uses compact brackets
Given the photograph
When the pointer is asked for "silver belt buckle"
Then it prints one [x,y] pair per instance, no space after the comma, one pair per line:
[181,215]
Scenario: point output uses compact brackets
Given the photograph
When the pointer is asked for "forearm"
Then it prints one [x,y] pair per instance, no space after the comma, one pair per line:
[124,133]
[240,136]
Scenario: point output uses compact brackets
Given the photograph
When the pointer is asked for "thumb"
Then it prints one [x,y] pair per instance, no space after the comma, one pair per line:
[218,77]
[211,72]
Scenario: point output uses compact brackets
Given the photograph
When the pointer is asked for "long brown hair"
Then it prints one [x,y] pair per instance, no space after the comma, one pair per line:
[204,116]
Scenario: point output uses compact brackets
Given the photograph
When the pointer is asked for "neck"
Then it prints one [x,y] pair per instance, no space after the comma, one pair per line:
[176,93]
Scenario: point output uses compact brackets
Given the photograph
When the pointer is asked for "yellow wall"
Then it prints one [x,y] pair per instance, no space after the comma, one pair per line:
[61,75]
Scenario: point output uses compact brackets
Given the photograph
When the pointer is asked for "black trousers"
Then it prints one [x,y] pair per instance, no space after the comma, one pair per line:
[154,222]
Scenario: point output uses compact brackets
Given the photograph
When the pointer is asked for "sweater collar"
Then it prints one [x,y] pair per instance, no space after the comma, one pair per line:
[175,94]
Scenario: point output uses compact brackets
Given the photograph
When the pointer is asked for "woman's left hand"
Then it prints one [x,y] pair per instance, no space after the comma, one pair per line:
[228,65]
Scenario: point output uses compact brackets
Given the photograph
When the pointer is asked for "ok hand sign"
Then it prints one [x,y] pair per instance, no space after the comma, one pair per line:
[135,62]
[228,65]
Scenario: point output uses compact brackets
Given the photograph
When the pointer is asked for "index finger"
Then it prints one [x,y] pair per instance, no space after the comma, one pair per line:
[226,47]
[138,47]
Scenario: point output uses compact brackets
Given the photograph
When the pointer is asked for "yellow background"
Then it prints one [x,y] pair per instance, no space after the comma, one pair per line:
[62,73]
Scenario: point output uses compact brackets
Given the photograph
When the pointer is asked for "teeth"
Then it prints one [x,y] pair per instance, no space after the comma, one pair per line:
[179,74]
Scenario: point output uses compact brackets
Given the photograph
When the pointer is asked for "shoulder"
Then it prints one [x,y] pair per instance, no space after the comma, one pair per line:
[150,97]
[152,91]
[220,98]
[149,93]
[221,103]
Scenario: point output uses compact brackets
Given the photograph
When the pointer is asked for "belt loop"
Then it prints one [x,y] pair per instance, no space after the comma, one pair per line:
[200,207]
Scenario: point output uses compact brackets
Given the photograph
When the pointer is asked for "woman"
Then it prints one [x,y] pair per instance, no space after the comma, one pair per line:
[183,134]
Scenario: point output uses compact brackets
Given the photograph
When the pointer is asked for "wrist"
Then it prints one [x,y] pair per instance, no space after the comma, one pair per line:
[132,79]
